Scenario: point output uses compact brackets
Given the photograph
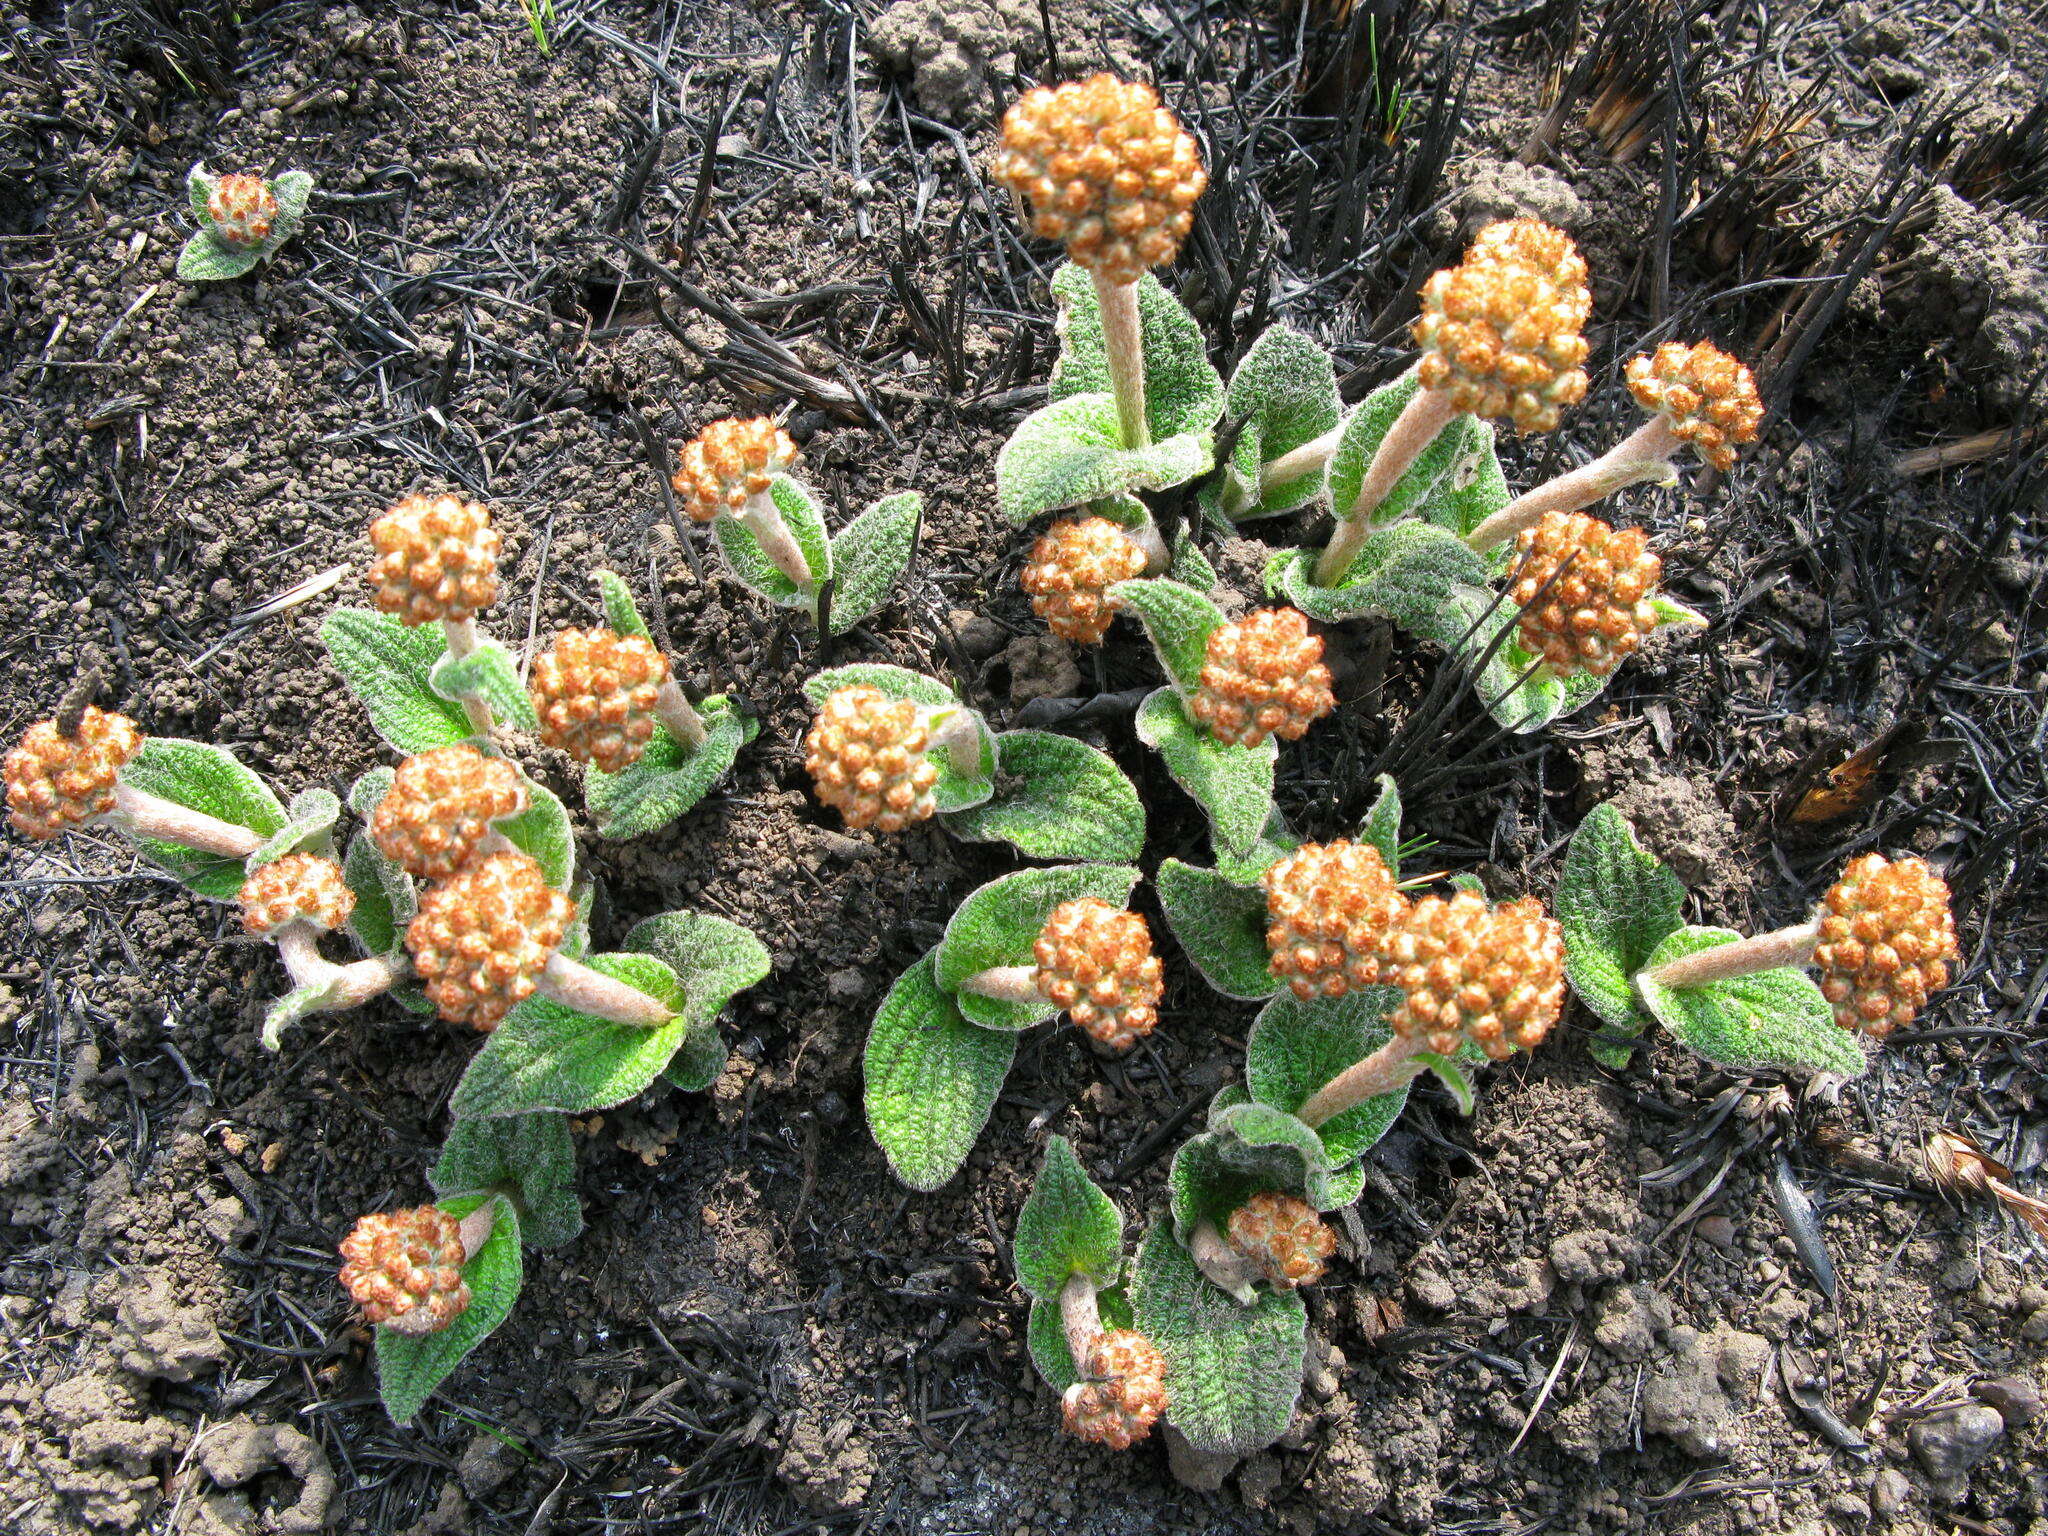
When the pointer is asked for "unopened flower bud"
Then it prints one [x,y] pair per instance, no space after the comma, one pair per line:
[1331,908]
[482,938]
[1122,1393]
[1071,569]
[298,888]
[241,209]
[866,756]
[1887,938]
[404,1269]
[595,694]
[56,781]
[1095,961]
[728,462]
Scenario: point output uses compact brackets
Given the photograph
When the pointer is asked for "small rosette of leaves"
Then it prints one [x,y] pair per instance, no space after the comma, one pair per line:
[1616,902]
[410,1367]
[206,258]
[1282,396]
[1775,1019]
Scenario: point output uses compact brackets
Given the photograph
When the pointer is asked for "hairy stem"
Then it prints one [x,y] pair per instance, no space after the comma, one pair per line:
[1296,462]
[476,1228]
[577,986]
[1147,537]
[1123,338]
[462,639]
[1645,454]
[145,815]
[1388,1068]
[348,986]
[763,519]
[1080,1317]
[955,733]
[1222,1265]
[1006,984]
[1427,413]
[1745,957]
[678,715]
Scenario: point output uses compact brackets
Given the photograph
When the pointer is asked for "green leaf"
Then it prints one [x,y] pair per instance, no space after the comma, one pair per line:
[713,959]
[388,667]
[1222,927]
[408,1369]
[668,779]
[1203,1186]
[489,673]
[621,613]
[999,925]
[1774,1019]
[869,554]
[1474,488]
[308,828]
[1065,801]
[530,1153]
[1382,825]
[288,1010]
[1183,391]
[806,525]
[1296,1047]
[543,830]
[293,190]
[1669,613]
[1291,1154]
[199,191]
[1179,621]
[1456,452]
[1234,785]
[932,1079]
[547,1057]
[1233,1372]
[1071,452]
[1068,1227]
[1284,391]
[202,777]
[700,1060]
[386,898]
[956,791]
[896,682]
[1274,843]
[1410,572]
[1447,1071]
[1045,1336]
[1189,566]
[368,792]
[205,259]
[1616,902]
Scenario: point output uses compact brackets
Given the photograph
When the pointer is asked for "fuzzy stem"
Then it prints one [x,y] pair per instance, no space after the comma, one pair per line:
[138,812]
[349,986]
[1123,339]
[1005,984]
[1745,957]
[955,733]
[1427,413]
[462,639]
[678,715]
[1645,454]
[763,519]
[1386,1069]
[1222,1265]
[476,1228]
[1147,537]
[1296,462]
[1080,1317]
[577,986]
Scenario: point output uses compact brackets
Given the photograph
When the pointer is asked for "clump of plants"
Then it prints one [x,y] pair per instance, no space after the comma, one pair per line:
[243,220]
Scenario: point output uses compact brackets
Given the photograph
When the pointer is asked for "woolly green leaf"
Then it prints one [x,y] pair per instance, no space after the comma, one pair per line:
[932,1079]
[713,959]
[548,1057]
[621,613]
[1296,1047]
[199,191]
[1234,1371]
[293,190]
[292,1007]
[1456,454]
[308,828]
[1284,391]
[1448,1072]
[1257,1136]
[543,830]
[1517,692]
[1410,572]
[956,791]
[1183,391]
[868,555]
[1274,843]
[999,925]
[1189,566]
[1222,927]
[388,667]
[1057,798]
[669,778]
[409,1368]
[1616,902]
[1474,487]
[1774,1019]
[1202,1185]
[1071,452]
[700,1060]
[205,259]
[1068,1227]
[1234,785]
[1045,1335]
[1382,825]
[754,569]
[896,682]
[375,921]
[531,1153]
[1669,613]
[202,777]
[1179,621]
[368,792]
[489,673]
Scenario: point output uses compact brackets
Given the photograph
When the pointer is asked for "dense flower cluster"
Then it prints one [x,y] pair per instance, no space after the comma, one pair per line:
[482,938]
[242,209]
[298,888]
[866,756]
[1331,907]
[1263,676]
[1584,590]
[404,1269]
[1122,1392]
[1095,961]
[1070,571]
[1706,396]
[594,692]
[1502,332]
[56,781]
[1467,971]
[1284,1237]
[1887,938]
[437,560]
[438,812]
[728,462]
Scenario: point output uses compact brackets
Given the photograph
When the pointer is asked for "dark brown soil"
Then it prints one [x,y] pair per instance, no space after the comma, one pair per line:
[759,1331]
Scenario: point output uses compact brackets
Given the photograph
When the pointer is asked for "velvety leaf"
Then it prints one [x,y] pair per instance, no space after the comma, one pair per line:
[293,190]
[1409,572]
[1458,451]
[1178,619]
[754,569]
[1183,391]
[1057,798]
[1189,566]
[621,613]
[388,667]
[1071,452]
[1775,1018]
[1234,785]
[868,556]
[932,1079]
[956,791]
[669,778]
[700,1060]
[1616,902]
[308,828]
[199,191]
[1000,923]
[531,1153]
[1068,1227]
[713,960]
[409,1368]
[1233,1372]
[896,682]
[202,777]
[1473,489]
[1202,1185]
[545,1057]
[1451,1074]
[543,830]
[1296,1047]
[489,673]
[1382,825]
[205,259]
[1221,926]
[283,1012]
[1284,391]
[1274,843]
[1670,612]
